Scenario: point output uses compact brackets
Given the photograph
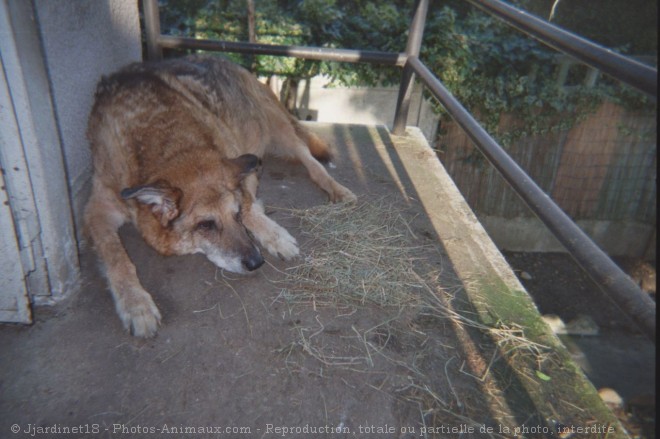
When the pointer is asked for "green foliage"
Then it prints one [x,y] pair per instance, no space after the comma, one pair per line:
[612,23]
[491,68]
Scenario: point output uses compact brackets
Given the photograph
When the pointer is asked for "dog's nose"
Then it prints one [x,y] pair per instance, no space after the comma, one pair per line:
[254,261]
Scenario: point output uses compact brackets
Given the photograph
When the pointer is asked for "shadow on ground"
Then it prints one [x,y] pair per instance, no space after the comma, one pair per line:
[240,356]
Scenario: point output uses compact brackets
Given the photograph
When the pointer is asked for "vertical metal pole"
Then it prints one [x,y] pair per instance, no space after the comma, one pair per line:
[252,34]
[408,76]
[152,28]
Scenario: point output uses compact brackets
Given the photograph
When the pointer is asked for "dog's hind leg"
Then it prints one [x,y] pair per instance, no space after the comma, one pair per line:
[319,149]
[270,235]
[104,214]
[319,175]
[295,141]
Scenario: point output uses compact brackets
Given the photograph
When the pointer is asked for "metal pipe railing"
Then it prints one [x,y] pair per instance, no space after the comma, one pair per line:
[592,259]
[315,53]
[152,29]
[627,70]
[413,47]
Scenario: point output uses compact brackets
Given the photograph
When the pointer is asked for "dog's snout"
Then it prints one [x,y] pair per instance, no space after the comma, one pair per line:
[253,261]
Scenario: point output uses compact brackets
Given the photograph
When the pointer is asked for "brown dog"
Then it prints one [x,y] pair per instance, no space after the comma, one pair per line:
[176,147]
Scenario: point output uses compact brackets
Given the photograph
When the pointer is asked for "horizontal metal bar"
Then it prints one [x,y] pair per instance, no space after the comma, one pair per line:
[627,70]
[315,53]
[627,295]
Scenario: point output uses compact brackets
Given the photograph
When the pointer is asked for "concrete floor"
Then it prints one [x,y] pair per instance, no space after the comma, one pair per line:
[223,356]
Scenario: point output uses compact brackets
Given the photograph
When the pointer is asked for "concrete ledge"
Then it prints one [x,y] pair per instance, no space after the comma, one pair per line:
[559,390]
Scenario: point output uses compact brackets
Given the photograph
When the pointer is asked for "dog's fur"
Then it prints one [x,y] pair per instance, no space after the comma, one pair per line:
[177,146]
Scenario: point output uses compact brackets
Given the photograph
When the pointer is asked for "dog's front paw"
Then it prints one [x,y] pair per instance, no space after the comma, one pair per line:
[341,194]
[138,312]
[282,244]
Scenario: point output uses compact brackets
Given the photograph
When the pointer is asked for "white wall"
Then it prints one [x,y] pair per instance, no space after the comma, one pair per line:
[52,54]
[360,105]
[83,40]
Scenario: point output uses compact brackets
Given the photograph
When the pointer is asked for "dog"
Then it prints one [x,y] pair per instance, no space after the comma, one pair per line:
[177,148]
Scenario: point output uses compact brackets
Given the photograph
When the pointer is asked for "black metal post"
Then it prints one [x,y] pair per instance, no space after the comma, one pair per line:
[633,73]
[152,28]
[408,76]
[627,295]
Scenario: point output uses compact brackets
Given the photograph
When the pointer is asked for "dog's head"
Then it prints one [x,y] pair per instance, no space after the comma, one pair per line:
[202,214]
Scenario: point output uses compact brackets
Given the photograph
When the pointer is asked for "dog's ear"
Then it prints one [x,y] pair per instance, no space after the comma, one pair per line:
[245,164]
[161,196]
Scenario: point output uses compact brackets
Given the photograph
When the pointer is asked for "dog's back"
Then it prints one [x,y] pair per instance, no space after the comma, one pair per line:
[134,120]
[237,109]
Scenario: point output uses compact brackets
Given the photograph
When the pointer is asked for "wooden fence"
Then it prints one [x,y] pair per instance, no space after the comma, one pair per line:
[604,168]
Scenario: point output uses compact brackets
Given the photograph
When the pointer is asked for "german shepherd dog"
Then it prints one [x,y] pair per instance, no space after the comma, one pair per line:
[176,147]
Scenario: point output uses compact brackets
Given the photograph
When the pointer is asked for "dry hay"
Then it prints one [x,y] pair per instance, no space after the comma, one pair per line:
[361,254]
[366,256]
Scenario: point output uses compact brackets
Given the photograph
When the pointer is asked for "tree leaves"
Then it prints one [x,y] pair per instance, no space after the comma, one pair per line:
[491,68]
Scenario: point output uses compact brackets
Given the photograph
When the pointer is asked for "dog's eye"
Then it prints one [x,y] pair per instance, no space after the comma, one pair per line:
[206,226]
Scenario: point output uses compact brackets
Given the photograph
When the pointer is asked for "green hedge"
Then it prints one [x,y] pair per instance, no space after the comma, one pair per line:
[490,67]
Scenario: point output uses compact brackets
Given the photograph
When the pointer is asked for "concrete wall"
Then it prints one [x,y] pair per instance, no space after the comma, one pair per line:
[616,238]
[321,102]
[52,54]
[83,40]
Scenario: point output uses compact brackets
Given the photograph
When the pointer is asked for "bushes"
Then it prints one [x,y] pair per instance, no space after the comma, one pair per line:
[490,67]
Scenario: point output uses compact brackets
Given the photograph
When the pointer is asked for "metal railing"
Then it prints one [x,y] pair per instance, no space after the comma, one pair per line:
[627,295]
